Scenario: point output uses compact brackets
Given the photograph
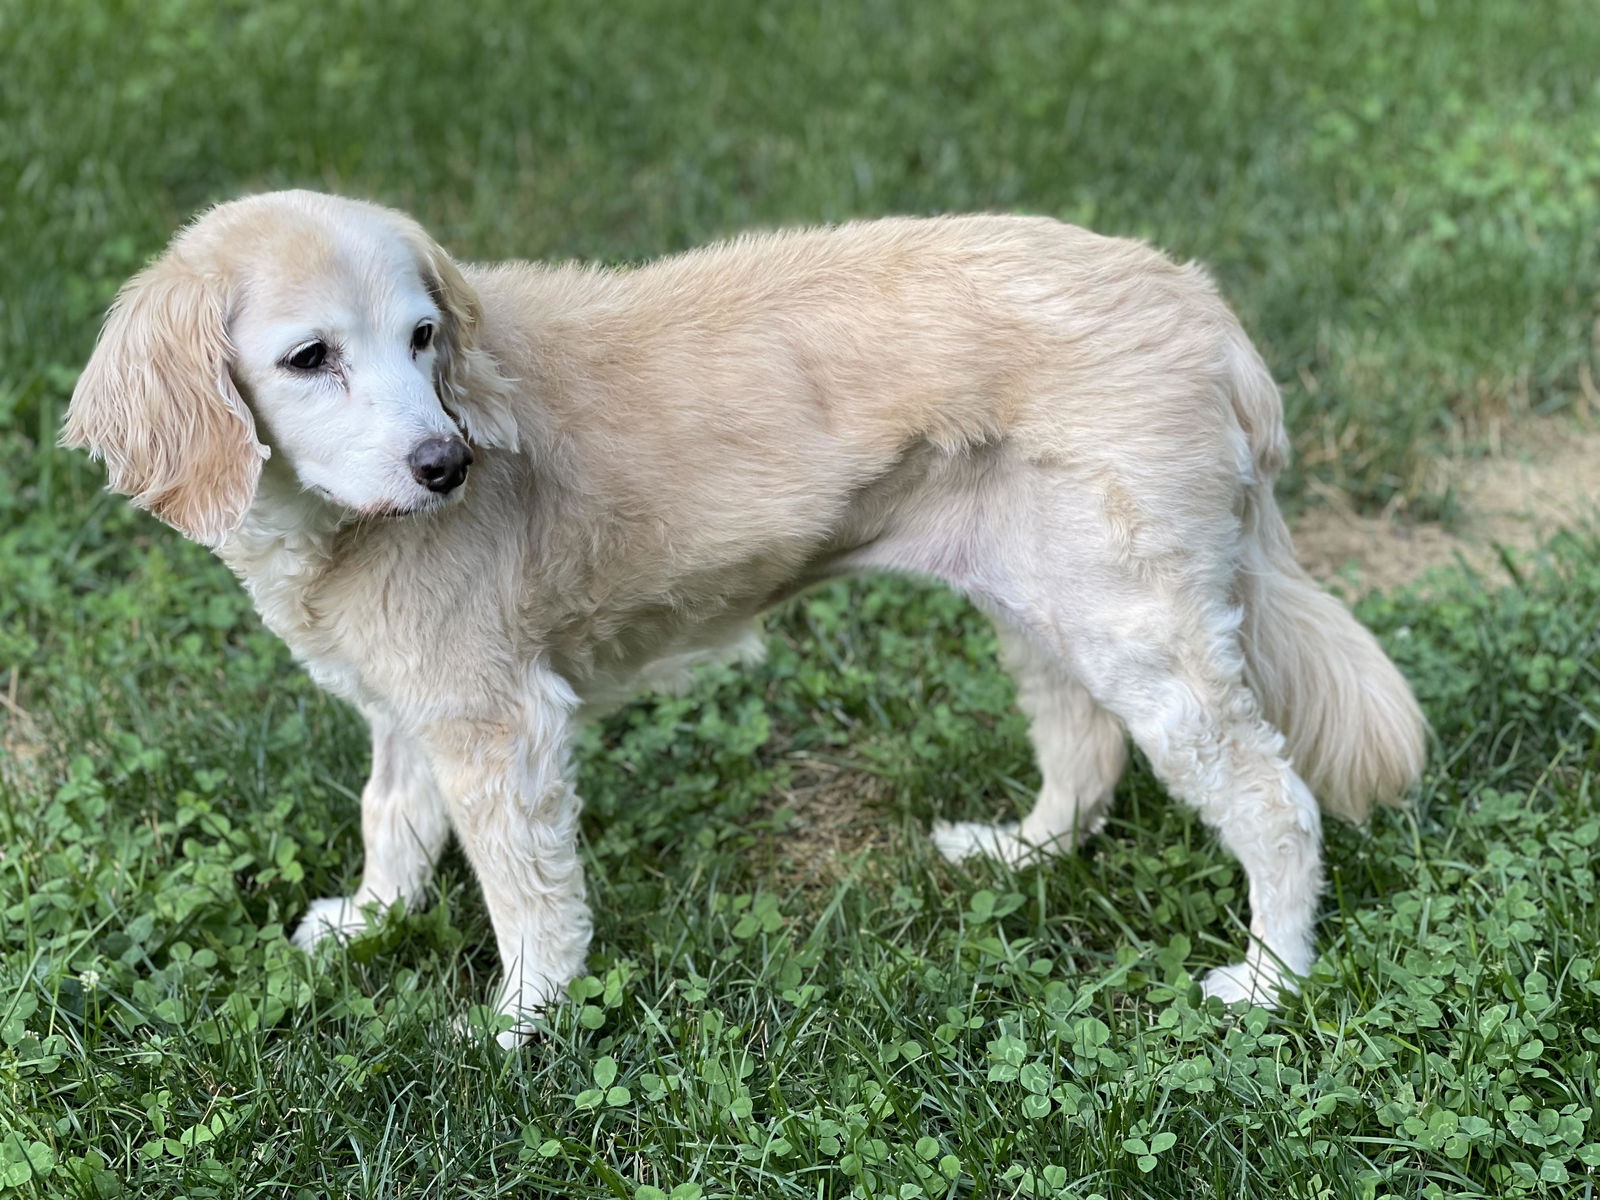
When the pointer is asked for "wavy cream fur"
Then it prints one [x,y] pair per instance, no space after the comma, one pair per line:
[1071,429]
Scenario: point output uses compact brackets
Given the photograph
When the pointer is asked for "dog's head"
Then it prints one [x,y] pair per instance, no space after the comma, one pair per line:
[334,333]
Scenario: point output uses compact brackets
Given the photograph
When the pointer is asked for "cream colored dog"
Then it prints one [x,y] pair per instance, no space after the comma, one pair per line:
[478,501]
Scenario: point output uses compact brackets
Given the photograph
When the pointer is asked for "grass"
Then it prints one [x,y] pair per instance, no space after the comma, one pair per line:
[1404,202]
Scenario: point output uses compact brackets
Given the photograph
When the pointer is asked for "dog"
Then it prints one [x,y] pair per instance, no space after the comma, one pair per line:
[480,502]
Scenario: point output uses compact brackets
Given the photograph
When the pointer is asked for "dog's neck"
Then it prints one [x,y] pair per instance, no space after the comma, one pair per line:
[282,547]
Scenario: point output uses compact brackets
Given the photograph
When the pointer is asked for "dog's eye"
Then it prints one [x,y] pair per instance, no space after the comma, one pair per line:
[422,337]
[309,357]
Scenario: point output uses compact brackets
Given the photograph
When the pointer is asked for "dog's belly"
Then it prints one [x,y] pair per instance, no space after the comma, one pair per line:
[672,670]
[920,515]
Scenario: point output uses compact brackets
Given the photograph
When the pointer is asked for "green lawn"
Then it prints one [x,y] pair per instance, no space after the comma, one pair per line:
[1403,200]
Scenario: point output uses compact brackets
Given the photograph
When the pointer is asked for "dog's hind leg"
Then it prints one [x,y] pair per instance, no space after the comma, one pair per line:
[1204,735]
[1081,749]
[403,828]
[1148,624]
[1168,664]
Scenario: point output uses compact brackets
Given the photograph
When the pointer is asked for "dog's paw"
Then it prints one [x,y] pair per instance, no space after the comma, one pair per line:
[517,1036]
[1240,983]
[334,918]
[510,1031]
[961,840]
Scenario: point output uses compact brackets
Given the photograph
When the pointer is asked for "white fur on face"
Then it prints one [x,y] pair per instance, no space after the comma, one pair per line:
[348,425]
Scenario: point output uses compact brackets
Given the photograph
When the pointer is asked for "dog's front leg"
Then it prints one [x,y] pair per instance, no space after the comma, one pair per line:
[510,797]
[403,829]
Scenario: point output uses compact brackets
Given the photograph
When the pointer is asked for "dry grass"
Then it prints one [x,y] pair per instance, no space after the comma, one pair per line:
[1545,475]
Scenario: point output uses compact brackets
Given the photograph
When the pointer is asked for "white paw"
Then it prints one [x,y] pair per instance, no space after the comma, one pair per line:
[1241,983]
[474,1027]
[512,1023]
[517,1035]
[961,840]
[335,917]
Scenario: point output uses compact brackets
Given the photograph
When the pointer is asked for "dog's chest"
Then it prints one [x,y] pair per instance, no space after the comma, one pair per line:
[315,641]
[283,570]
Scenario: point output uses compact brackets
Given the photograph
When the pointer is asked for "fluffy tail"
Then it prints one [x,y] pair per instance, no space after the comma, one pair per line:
[1355,733]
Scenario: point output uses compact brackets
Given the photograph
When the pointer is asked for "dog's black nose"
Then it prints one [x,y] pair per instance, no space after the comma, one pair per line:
[440,464]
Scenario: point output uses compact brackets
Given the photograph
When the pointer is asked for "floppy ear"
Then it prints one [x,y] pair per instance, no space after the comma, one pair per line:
[158,403]
[467,377]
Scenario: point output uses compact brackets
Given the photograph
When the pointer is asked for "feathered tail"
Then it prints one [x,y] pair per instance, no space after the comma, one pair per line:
[1355,732]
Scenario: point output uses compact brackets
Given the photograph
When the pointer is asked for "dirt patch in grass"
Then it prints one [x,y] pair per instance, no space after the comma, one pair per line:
[21,741]
[1543,477]
[837,816]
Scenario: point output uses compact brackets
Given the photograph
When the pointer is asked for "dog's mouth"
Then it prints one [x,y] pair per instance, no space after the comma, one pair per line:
[388,509]
[432,503]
